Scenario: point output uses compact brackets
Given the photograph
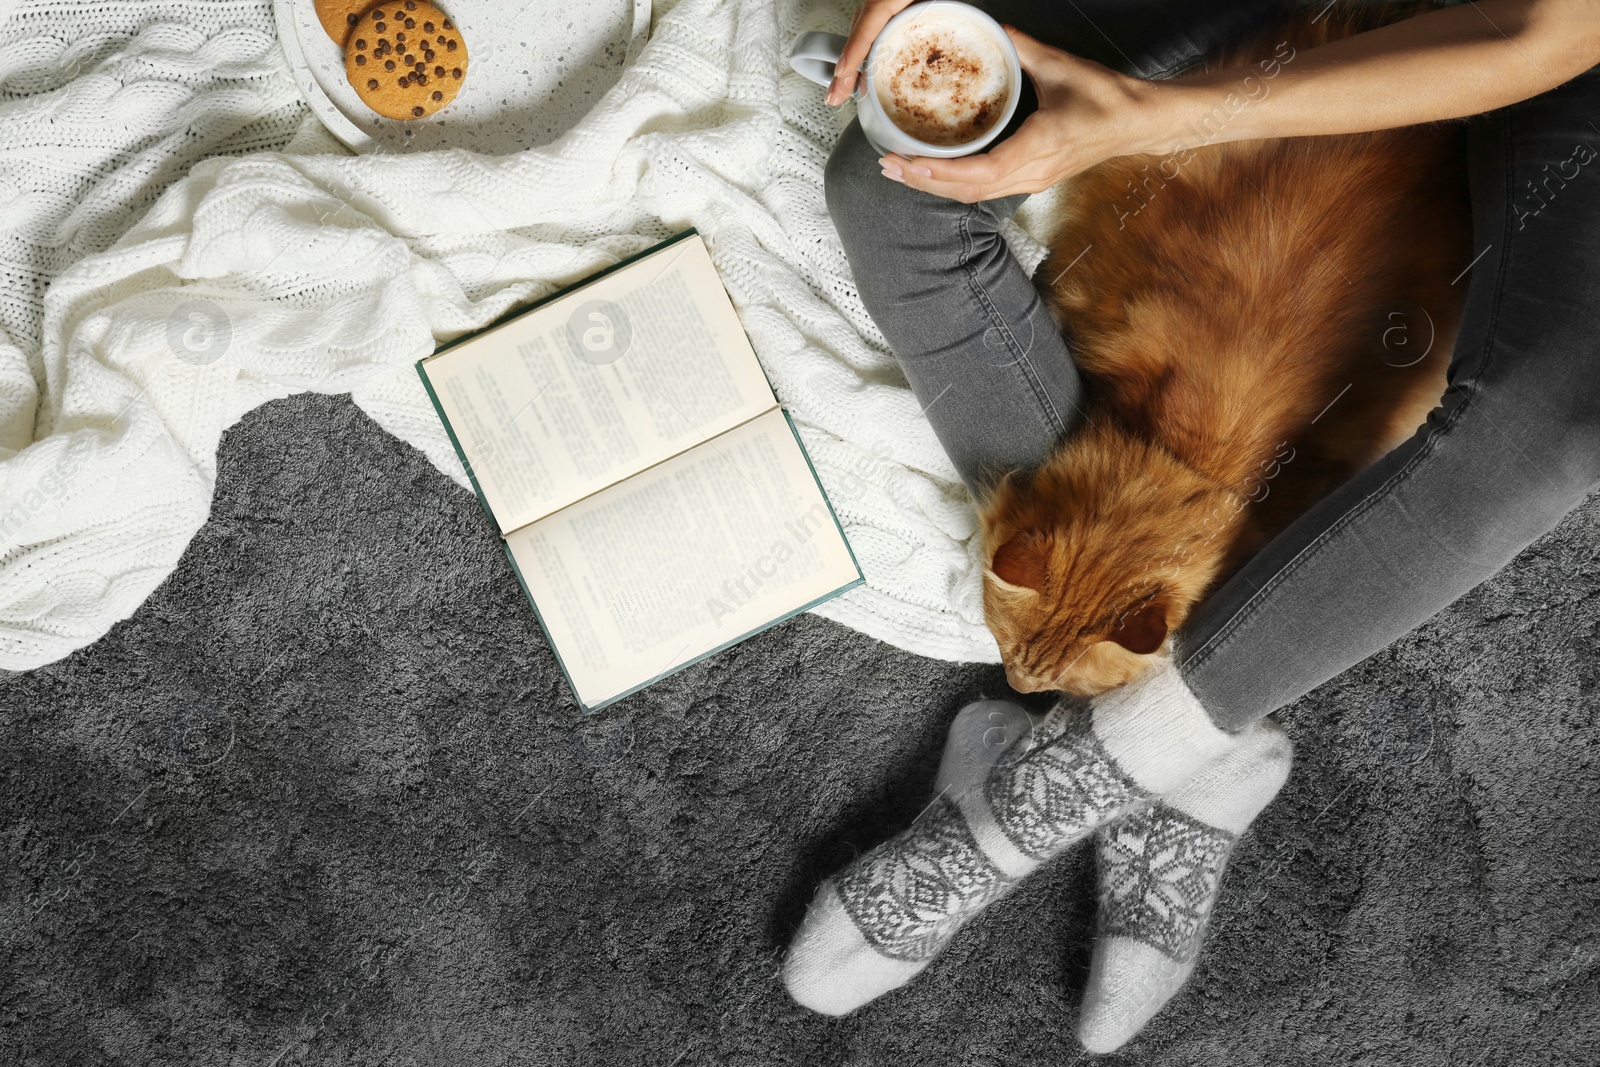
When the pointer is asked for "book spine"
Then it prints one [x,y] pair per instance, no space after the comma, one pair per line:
[822,489]
[455,443]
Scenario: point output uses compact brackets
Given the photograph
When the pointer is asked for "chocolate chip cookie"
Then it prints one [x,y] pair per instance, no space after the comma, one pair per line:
[406,60]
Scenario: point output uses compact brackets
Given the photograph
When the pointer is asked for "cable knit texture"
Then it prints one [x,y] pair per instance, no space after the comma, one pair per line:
[181,243]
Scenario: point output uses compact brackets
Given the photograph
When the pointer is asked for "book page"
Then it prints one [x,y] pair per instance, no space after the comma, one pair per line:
[683,559]
[599,384]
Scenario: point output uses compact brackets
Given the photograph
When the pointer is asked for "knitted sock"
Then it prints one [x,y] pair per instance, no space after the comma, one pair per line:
[1013,792]
[1160,870]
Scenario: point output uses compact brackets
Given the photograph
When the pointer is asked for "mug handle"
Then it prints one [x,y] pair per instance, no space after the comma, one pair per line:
[813,56]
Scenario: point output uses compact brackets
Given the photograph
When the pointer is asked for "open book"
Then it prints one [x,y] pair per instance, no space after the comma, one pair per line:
[654,499]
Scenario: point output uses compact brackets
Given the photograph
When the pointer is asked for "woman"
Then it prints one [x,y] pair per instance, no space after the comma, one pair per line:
[1513,447]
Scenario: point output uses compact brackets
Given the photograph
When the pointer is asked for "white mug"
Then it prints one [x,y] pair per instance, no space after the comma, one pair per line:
[813,55]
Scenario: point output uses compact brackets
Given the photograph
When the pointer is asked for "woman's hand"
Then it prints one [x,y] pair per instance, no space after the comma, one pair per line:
[871,18]
[1087,113]
[1442,64]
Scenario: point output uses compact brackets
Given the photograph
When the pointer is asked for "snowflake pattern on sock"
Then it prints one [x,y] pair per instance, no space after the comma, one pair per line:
[1159,874]
[1058,790]
[909,896]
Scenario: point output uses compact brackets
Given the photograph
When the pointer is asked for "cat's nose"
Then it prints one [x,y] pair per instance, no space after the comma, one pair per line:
[1021,682]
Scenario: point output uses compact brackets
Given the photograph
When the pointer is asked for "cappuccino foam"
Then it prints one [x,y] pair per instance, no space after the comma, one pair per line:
[942,79]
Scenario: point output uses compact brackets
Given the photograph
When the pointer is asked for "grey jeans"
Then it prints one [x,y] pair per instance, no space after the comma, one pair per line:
[1514,445]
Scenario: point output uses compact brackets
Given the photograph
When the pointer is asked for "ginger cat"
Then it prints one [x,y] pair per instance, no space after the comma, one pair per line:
[1255,322]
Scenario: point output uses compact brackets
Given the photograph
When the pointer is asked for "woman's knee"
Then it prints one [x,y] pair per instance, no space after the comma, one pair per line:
[875,217]
[845,179]
[901,238]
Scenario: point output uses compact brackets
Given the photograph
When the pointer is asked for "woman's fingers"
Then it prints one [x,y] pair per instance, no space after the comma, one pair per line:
[833,97]
[1015,165]
[870,19]
[968,179]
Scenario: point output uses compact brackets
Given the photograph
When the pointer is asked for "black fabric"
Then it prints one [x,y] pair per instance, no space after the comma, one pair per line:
[1149,38]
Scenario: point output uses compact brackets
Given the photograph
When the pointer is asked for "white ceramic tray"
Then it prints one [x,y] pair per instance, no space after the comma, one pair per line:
[536,68]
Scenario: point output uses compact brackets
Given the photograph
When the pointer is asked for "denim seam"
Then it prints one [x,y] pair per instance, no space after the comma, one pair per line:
[1229,630]
[997,321]
[1172,70]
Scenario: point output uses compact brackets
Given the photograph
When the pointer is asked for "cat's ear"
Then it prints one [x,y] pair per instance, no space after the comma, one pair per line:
[1142,629]
[1019,563]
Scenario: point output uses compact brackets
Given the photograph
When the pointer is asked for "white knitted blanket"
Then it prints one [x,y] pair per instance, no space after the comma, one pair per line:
[179,243]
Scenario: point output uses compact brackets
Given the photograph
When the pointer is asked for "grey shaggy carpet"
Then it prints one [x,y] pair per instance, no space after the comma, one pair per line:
[325,800]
